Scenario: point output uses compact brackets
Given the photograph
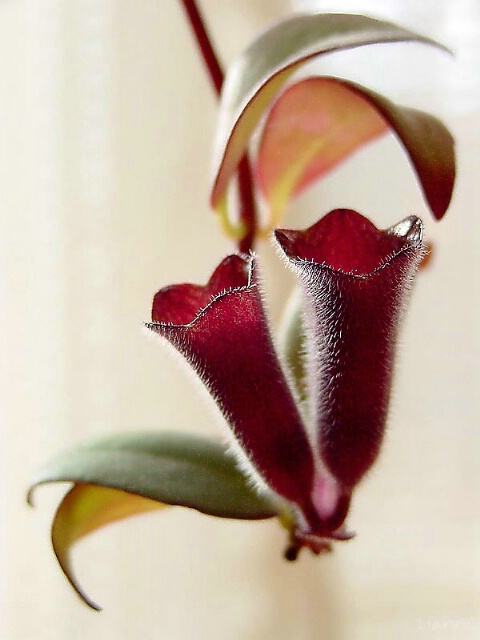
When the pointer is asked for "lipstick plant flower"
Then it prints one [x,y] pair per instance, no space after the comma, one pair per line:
[302,431]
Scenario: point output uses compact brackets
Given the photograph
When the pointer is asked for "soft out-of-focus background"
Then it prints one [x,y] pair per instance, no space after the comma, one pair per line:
[106,120]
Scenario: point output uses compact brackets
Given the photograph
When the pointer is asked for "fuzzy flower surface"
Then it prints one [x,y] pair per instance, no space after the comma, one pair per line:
[355,281]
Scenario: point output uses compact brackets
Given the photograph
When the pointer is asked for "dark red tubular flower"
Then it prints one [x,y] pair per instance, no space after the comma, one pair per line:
[222,331]
[355,279]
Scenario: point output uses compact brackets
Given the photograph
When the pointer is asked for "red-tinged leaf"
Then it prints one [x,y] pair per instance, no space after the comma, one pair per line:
[312,127]
[124,475]
[257,75]
[318,122]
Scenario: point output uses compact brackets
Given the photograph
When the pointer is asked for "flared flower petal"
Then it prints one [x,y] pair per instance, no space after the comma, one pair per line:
[355,279]
[222,331]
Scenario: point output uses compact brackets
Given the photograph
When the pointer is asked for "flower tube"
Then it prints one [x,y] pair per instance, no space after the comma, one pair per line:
[221,330]
[355,280]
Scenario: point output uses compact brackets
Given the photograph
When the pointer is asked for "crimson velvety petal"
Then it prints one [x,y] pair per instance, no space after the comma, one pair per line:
[355,279]
[222,331]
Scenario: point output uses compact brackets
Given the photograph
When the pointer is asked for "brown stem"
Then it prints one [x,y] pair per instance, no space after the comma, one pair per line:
[247,206]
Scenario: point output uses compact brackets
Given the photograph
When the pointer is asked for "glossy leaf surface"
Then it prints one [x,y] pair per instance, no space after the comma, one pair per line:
[257,76]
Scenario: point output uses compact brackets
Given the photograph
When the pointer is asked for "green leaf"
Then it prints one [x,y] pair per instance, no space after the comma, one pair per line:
[258,74]
[318,122]
[174,468]
[292,342]
[123,475]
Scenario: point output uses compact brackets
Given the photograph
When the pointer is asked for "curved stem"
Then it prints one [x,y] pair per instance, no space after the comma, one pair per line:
[247,205]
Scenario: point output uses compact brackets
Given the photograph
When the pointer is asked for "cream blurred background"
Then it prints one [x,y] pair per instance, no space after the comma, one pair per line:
[106,120]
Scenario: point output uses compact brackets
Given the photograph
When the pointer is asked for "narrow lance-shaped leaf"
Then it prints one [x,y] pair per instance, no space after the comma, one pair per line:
[124,475]
[257,76]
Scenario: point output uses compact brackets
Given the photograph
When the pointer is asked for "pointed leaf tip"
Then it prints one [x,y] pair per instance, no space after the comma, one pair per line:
[122,476]
[83,510]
